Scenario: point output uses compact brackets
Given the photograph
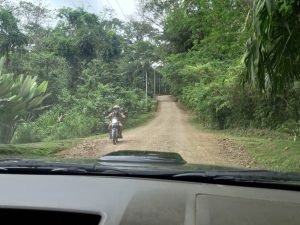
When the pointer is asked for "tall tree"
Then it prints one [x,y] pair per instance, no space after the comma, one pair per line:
[10,35]
[78,37]
[34,19]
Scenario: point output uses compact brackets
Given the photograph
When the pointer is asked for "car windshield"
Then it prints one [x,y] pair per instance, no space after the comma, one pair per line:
[173,83]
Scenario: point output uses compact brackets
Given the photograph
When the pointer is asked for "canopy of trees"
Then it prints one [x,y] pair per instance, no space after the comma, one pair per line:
[233,63]
[90,62]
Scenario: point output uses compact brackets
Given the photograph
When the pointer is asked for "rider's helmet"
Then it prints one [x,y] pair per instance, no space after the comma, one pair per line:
[116,108]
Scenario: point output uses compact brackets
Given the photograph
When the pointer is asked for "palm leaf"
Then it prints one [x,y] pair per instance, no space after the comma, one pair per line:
[273,50]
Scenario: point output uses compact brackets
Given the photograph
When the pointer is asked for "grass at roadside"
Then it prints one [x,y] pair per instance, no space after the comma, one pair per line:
[270,150]
[274,154]
[33,150]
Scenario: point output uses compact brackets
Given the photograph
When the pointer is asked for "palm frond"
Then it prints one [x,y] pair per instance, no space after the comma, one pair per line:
[273,49]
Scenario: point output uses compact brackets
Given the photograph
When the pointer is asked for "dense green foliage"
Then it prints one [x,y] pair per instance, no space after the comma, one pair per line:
[204,46]
[272,56]
[10,35]
[212,55]
[91,62]
[80,115]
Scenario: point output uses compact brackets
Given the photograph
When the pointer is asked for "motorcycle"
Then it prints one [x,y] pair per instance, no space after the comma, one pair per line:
[115,130]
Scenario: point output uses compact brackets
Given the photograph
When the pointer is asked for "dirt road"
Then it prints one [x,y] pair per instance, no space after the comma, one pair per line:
[168,131]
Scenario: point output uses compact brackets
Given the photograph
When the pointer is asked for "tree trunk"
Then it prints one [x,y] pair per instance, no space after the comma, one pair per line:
[6,132]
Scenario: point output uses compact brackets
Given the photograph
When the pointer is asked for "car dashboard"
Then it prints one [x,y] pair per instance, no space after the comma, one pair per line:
[90,200]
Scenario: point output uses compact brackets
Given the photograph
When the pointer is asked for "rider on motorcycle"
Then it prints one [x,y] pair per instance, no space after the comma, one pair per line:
[116,113]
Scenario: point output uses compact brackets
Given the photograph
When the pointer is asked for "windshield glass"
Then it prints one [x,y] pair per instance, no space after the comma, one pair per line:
[216,82]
